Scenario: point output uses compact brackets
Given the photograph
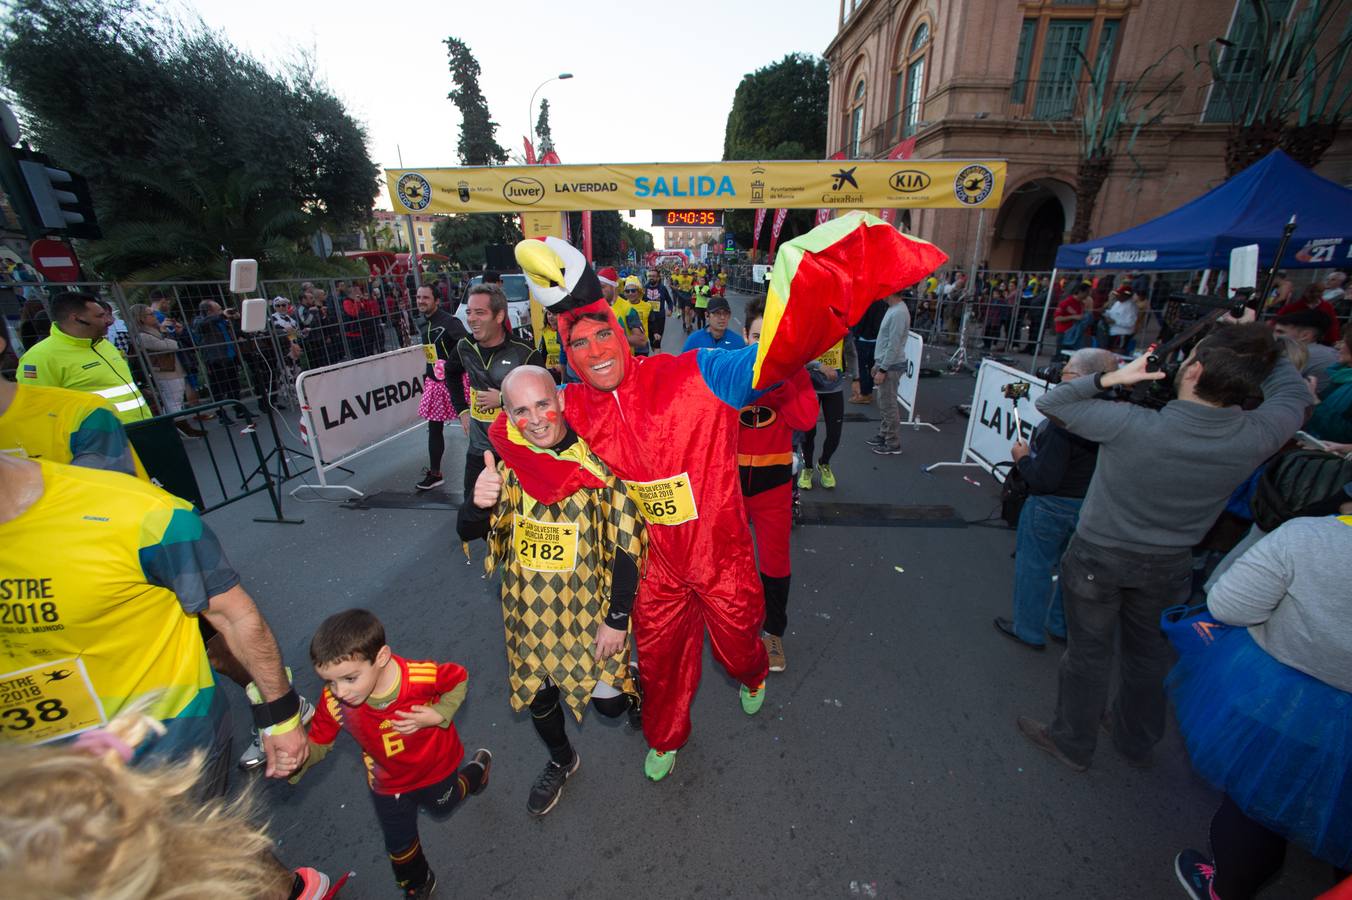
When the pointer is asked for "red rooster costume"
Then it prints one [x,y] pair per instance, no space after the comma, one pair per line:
[668,426]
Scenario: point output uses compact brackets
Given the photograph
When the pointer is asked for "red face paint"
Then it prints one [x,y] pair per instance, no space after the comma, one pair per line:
[552,416]
[601,343]
[521,424]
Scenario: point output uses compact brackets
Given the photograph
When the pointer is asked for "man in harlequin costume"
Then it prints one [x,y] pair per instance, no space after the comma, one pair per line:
[570,542]
[668,427]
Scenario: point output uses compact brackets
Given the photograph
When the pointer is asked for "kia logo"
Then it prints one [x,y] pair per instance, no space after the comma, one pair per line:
[523,191]
[908,181]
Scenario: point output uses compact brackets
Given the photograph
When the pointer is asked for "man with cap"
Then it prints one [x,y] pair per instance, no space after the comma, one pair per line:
[668,427]
[716,333]
[631,307]
[1309,327]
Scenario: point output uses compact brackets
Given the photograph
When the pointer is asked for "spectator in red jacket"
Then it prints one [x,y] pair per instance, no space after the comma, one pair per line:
[1312,298]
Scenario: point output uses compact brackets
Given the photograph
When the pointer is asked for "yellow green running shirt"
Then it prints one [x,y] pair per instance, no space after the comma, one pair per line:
[101,581]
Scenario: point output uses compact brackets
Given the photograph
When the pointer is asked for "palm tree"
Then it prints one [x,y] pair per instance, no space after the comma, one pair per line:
[193,224]
[1277,90]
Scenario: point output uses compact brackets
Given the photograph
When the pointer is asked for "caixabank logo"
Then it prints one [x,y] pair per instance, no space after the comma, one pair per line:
[973,184]
[414,191]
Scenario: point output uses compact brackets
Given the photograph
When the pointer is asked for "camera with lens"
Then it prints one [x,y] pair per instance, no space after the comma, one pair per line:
[1051,373]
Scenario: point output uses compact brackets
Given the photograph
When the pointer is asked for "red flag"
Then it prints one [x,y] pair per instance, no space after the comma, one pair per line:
[824,214]
[900,151]
[586,234]
[780,215]
[551,159]
[755,232]
[530,152]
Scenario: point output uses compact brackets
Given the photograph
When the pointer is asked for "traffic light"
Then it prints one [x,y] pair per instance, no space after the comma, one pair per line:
[60,200]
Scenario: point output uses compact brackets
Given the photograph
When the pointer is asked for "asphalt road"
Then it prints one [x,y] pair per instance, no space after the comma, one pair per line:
[885,762]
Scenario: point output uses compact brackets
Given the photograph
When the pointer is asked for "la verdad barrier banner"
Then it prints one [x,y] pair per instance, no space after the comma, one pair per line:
[827,184]
[910,379]
[992,427]
[355,406]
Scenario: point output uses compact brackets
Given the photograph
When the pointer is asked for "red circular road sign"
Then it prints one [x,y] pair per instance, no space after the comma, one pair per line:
[55,260]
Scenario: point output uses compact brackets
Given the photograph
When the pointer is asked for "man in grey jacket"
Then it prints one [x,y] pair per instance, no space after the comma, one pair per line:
[1163,476]
[888,367]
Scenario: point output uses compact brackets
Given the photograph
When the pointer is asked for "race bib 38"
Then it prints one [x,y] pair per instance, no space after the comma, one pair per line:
[46,702]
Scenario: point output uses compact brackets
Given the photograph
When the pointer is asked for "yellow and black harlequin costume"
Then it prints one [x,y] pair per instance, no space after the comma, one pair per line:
[561,531]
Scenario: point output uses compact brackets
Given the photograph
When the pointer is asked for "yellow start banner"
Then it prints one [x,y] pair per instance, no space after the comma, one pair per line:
[834,184]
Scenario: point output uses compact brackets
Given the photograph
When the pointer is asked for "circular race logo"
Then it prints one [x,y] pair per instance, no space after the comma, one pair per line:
[973,184]
[414,191]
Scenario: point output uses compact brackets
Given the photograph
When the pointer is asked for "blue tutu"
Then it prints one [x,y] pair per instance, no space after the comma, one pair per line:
[1278,741]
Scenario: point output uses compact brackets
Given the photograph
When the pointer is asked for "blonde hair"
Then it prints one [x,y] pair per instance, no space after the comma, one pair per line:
[74,824]
[1295,351]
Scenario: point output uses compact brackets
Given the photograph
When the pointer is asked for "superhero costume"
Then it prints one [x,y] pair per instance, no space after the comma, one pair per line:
[765,469]
[668,426]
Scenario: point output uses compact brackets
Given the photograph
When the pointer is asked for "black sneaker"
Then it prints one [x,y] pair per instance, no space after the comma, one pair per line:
[875,441]
[548,788]
[423,890]
[636,701]
[430,480]
[1195,872]
[884,450]
[484,760]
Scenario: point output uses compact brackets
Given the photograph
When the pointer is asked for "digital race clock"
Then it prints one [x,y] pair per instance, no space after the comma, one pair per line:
[688,218]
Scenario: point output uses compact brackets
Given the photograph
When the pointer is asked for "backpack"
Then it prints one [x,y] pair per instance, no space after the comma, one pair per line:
[1294,481]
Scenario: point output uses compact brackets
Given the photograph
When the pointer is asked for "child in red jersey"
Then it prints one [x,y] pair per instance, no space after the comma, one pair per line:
[399,711]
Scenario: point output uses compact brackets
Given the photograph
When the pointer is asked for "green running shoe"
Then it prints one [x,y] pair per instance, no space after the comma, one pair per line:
[658,765]
[752,701]
[827,476]
[805,479]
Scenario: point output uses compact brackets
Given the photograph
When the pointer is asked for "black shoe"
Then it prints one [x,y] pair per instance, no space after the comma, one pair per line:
[1037,735]
[430,480]
[425,889]
[884,450]
[1006,627]
[484,760]
[636,701]
[1195,872]
[548,788]
[1058,638]
[876,441]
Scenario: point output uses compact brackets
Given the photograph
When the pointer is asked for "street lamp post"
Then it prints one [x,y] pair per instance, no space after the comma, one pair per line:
[530,113]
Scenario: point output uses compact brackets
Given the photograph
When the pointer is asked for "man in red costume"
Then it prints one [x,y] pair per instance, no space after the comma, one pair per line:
[668,427]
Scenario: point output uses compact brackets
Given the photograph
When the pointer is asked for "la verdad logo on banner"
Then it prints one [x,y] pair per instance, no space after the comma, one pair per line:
[357,403]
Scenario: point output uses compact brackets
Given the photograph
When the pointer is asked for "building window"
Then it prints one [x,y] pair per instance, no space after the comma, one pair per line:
[856,133]
[1024,61]
[909,84]
[1239,60]
[1103,58]
[1059,74]
[422,248]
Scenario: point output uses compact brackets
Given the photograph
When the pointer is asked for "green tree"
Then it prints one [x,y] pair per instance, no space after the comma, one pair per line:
[153,112]
[478,144]
[639,240]
[778,112]
[463,238]
[544,140]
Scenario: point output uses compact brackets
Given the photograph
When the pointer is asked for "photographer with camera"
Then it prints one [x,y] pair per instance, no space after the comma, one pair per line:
[1131,556]
[1057,467]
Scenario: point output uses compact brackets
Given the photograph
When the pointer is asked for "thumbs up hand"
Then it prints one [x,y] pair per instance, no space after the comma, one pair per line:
[488,486]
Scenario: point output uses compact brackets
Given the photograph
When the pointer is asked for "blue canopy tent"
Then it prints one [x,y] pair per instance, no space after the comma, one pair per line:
[1251,208]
